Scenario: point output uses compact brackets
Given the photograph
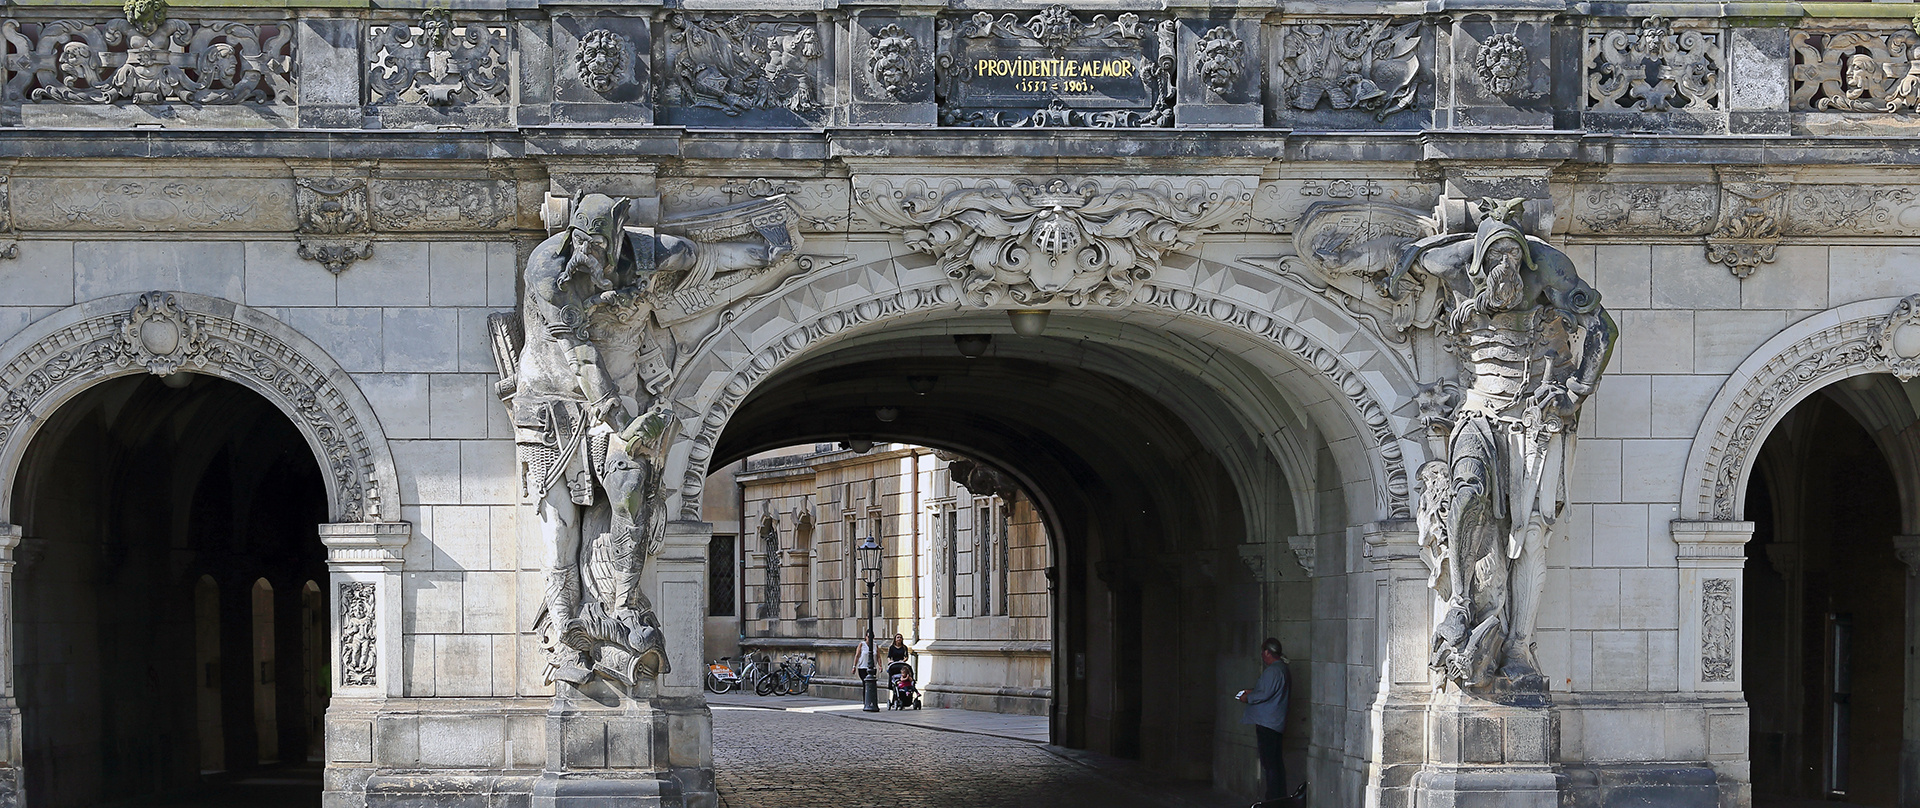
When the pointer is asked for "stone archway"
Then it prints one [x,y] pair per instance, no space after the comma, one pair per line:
[167,332]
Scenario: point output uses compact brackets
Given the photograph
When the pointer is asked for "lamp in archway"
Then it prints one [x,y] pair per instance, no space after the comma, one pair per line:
[870,573]
[1028,322]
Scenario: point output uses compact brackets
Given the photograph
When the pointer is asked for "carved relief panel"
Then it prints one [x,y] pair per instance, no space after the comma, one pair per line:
[601,69]
[1500,71]
[437,62]
[1674,69]
[740,70]
[1345,73]
[145,57]
[1856,71]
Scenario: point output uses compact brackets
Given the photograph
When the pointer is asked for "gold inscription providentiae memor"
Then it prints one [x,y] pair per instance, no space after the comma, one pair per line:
[1055,68]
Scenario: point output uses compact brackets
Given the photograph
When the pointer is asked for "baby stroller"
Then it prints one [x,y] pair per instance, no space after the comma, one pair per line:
[900,685]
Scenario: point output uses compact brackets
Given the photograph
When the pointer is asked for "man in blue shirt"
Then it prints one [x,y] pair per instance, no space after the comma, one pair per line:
[1266,710]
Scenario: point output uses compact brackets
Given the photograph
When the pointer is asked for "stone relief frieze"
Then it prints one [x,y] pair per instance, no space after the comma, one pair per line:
[1077,241]
[1716,630]
[604,60]
[1054,69]
[437,62]
[359,638]
[1851,210]
[334,220]
[1344,249]
[1371,65]
[1216,59]
[821,205]
[737,64]
[1652,209]
[151,205]
[893,62]
[1654,68]
[161,336]
[442,204]
[1857,71]
[147,58]
[9,237]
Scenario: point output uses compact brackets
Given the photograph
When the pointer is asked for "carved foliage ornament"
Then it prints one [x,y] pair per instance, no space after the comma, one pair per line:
[359,642]
[146,58]
[1857,71]
[735,64]
[159,335]
[1073,240]
[1217,59]
[1749,226]
[1370,65]
[437,63]
[1653,69]
[604,60]
[333,218]
[1501,64]
[1900,340]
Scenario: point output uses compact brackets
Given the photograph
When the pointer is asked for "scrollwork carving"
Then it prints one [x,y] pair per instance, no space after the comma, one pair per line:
[333,217]
[1900,340]
[1653,68]
[146,58]
[1371,65]
[1687,210]
[1749,226]
[159,337]
[441,204]
[437,63]
[1056,60]
[1857,71]
[1079,241]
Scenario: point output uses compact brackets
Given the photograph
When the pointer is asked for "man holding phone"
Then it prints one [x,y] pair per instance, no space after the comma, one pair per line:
[1266,710]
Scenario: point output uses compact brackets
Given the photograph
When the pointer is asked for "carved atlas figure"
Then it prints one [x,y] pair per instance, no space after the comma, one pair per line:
[1532,340]
[590,428]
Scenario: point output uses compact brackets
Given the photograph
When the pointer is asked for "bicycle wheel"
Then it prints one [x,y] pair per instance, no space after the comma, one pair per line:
[801,682]
[786,685]
[765,686]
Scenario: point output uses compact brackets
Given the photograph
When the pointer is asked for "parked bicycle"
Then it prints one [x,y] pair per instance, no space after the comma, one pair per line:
[791,678]
[721,677]
[753,673]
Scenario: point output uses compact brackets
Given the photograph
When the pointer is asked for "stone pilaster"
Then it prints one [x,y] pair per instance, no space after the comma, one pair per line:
[1711,558]
[364,593]
[9,709]
[1908,550]
[1399,712]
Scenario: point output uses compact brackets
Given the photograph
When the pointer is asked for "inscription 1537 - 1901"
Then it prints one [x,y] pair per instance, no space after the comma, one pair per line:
[1053,69]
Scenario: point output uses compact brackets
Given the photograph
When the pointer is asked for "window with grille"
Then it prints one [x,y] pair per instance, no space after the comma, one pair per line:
[720,576]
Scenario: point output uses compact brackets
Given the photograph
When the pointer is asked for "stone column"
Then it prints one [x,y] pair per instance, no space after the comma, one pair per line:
[9,708]
[1908,548]
[1399,713]
[364,596]
[1712,557]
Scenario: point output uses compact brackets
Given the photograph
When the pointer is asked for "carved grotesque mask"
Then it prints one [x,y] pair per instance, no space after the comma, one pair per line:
[1501,65]
[599,59]
[891,61]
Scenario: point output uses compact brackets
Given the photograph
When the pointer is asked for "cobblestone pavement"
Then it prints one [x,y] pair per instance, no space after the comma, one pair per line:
[793,759]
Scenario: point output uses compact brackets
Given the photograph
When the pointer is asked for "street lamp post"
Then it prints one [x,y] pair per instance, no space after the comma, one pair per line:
[870,572]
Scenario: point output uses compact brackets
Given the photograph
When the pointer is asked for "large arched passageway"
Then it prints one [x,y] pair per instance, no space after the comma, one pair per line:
[170,636]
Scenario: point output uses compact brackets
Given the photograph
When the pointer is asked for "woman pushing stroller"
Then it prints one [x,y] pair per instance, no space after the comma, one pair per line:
[900,677]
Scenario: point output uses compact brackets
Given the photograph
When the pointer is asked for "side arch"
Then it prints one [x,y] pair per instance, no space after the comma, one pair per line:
[163,333]
[1364,384]
[1868,336]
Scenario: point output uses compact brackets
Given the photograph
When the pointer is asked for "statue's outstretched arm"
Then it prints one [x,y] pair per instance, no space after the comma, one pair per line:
[1410,256]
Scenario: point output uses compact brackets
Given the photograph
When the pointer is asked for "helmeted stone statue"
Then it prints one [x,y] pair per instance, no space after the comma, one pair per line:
[591,439]
[1532,340]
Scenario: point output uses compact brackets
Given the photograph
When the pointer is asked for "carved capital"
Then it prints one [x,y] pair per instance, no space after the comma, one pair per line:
[1071,240]
[1711,543]
[1304,549]
[365,543]
[1907,549]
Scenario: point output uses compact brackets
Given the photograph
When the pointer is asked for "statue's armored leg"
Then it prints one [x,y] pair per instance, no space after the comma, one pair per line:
[1529,577]
[560,535]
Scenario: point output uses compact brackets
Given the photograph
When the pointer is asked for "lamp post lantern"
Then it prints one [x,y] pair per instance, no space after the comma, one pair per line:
[870,573]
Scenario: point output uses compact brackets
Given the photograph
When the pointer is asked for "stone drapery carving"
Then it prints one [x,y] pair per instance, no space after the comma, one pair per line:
[591,430]
[735,64]
[1372,65]
[334,218]
[1077,241]
[893,62]
[1532,340]
[146,58]
[1716,630]
[437,63]
[1857,71]
[359,642]
[1888,343]
[161,335]
[1216,58]
[1749,226]
[1501,64]
[1653,68]
[604,61]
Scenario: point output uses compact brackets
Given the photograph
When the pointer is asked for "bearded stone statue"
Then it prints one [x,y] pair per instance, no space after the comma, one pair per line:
[1532,340]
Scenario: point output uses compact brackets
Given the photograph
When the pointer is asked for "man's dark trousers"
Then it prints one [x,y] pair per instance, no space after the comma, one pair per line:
[1271,763]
